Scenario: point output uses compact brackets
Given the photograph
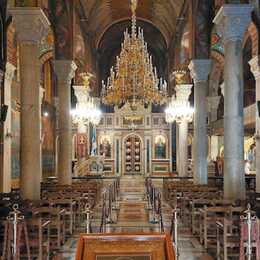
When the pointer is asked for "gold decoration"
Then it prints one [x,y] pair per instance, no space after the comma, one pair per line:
[133,5]
[134,79]
[180,76]
[86,76]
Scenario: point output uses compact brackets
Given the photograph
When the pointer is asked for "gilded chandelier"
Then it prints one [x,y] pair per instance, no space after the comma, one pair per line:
[134,79]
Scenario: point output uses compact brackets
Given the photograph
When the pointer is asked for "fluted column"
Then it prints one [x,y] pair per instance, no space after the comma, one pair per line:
[232,21]
[200,70]
[5,180]
[182,95]
[65,71]
[255,68]
[31,26]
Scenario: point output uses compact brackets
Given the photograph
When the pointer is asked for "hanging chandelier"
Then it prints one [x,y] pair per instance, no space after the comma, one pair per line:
[87,110]
[178,111]
[134,79]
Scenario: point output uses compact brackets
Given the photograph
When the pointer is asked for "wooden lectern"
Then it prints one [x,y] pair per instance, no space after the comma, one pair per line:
[125,247]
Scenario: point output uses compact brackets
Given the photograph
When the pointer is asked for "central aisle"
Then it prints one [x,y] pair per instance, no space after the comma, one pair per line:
[132,215]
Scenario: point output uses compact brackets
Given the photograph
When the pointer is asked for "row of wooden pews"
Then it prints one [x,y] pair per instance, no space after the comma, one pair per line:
[215,221]
[44,226]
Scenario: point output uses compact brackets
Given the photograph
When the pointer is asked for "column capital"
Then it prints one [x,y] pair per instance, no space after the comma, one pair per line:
[31,24]
[183,91]
[81,93]
[200,69]
[65,70]
[232,21]
[9,71]
[255,66]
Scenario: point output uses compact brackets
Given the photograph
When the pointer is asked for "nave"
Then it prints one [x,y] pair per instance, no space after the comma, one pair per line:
[124,116]
[132,214]
[202,224]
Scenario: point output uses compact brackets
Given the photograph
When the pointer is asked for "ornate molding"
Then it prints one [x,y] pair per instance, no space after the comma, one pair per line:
[183,91]
[65,70]
[81,93]
[255,66]
[232,21]
[31,24]
[200,70]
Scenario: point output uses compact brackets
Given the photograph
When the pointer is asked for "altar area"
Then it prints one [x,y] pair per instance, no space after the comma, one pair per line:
[134,142]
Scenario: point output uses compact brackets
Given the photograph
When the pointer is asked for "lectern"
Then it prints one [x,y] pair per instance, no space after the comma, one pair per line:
[125,247]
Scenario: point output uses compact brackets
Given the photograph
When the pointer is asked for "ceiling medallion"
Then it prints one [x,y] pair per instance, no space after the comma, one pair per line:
[134,79]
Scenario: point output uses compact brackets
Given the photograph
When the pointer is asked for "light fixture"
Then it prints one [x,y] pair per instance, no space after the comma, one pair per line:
[134,79]
[45,114]
[178,111]
[87,109]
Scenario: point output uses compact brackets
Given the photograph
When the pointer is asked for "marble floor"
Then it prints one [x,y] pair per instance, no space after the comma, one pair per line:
[133,216]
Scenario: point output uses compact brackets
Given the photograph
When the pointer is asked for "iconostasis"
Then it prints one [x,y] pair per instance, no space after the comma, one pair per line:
[134,143]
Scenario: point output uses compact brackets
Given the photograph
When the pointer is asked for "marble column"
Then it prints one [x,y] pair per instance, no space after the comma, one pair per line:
[1,131]
[56,104]
[200,70]
[182,95]
[178,168]
[183,148]
[232,21]
[65,71]
[5,181]
[31,26]
[41,96]
[255,68]
[213,103]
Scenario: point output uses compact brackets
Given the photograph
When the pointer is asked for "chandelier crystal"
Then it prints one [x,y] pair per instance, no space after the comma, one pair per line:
[87,110]
[134,79]
[178,111]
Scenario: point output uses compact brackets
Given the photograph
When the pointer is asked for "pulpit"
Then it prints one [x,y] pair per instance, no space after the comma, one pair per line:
[125,246]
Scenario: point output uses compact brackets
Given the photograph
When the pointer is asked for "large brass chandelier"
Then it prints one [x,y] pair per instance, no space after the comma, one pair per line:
[134,79]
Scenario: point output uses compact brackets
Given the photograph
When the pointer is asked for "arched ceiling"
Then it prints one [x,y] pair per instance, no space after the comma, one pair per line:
[110,46]
[101,14]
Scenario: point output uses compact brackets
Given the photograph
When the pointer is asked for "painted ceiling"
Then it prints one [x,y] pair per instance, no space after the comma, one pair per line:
[101,14]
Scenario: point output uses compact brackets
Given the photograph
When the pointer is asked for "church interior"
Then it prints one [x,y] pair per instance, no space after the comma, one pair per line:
[129,129]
